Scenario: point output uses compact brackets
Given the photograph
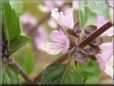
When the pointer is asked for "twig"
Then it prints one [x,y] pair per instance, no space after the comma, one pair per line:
[83,43]
[21,71]
[95,34]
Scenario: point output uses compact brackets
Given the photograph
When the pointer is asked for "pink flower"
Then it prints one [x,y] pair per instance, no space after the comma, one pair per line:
[101,21]
[59,43]
[65,18]
[110,3]
[28,19]
[42,37]
[105,58]
[51,4]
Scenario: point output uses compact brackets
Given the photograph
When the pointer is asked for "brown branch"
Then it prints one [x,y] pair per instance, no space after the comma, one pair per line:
[83,43]
[95,34]
[21,71]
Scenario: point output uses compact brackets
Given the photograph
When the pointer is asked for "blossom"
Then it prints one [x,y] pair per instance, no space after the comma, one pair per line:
[59,43]
[105,58]
[42,37]
[110,3]
[53,3]
[28,19]
[101,21]
[65,18]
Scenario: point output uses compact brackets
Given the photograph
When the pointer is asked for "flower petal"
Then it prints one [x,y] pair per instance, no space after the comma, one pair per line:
[41,37]
[50,48]
[59,37]
[66,19]
[56,36]
[105,55]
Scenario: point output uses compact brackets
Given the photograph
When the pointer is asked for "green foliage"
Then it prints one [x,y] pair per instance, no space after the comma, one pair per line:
[10,75]
[18,43]
[90,9]
[54,75]
[12,29]
[91,72]
[87,16]
[0,70]
[11,22]
[25,59]
[17,6]
[87,74]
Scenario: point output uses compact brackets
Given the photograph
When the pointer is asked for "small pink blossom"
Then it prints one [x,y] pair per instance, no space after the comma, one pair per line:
[62,40]
[51,4]
[105,58]
[65,18]
[42,37]
[59,43]
[28,19]
[101,21]
[110,3]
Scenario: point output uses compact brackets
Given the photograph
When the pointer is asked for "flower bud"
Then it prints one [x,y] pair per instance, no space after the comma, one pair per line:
[92,50]
[80,57]
[89,29]
[77,29]
[96,42]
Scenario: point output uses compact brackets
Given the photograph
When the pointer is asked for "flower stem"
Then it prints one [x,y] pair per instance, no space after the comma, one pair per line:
[66,70]
[95,34]
[83,43]
[21,71]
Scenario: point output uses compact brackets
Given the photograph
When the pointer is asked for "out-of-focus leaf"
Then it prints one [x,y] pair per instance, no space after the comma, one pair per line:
[90,9]
[0,70]
[18,42]
[54,75]
[11,22]
[17,6]
[25,59]
[87,16]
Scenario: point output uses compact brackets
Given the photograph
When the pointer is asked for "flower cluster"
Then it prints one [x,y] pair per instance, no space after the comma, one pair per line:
[59,41]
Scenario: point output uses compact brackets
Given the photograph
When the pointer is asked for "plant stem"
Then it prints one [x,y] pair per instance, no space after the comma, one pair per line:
[66,70]
[21,71]
[95,34]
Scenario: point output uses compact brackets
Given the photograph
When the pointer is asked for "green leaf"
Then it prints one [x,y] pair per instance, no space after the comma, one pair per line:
[54,74]
[10,75]
[18,7]
[87,16]
[18,42]
[91,72]
[11,22]
[89,10]
[6,79]
[0,70]
[24,57]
